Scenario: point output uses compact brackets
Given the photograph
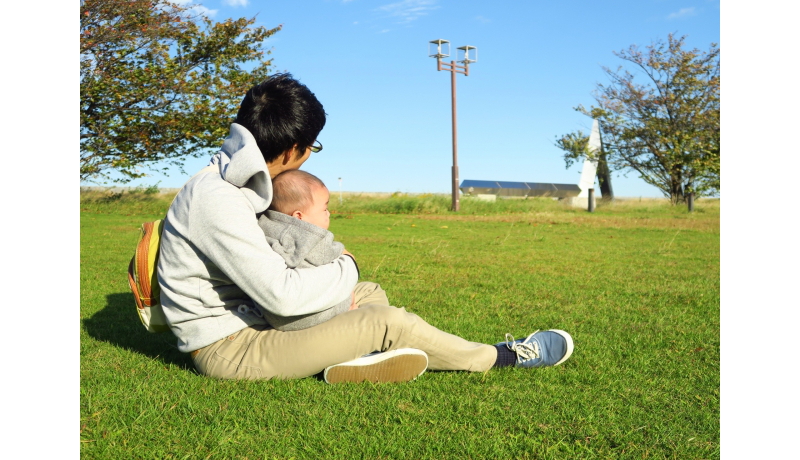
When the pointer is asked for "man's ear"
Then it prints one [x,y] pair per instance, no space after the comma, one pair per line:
[298,214]
[288,153]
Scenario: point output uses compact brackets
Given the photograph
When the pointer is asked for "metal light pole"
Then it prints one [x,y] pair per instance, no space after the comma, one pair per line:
[454,69]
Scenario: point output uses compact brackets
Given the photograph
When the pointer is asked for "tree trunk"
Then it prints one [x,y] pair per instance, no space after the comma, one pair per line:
[604,179]
[676,192]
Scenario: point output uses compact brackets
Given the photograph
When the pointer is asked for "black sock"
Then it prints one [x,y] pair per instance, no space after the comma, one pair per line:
[505,357]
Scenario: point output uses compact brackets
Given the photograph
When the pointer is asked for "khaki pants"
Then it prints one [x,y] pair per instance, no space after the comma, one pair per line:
[265,353]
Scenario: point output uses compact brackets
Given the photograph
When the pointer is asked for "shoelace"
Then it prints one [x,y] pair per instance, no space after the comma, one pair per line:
[523,350]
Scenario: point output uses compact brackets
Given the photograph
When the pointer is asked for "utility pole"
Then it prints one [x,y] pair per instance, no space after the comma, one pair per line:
[453,68]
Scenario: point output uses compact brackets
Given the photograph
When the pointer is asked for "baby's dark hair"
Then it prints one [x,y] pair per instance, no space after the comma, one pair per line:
[291,191]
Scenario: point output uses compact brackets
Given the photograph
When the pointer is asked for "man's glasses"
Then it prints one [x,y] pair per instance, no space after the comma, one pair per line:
[316,147]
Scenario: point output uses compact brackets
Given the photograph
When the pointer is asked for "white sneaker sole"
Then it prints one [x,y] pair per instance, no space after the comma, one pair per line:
[570,344]
[402,365]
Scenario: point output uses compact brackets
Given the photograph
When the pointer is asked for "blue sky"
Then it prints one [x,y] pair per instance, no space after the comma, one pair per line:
[389,112]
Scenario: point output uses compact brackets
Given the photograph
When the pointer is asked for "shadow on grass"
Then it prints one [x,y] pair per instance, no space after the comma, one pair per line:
[118,324]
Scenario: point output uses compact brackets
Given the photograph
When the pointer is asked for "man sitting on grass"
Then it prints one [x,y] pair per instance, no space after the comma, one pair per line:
[218,275]
[296,226]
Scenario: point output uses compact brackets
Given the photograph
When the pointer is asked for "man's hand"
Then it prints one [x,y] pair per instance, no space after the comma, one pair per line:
[353,305]
[345,252]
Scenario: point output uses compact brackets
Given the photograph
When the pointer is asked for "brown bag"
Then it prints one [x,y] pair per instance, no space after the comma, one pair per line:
[143,278]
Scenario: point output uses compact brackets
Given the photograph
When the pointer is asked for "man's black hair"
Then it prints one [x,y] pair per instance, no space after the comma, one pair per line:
[281,112]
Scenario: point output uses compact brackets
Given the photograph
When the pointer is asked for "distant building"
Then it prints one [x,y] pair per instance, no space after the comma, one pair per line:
[485,188]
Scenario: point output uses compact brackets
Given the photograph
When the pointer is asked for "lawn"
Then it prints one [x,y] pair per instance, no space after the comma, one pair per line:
[637,284]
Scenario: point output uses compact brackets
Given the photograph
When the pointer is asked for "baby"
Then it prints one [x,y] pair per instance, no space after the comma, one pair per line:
[296,227]
[301,195]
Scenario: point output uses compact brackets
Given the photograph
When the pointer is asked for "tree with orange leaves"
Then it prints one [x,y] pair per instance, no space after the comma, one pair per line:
[160,82]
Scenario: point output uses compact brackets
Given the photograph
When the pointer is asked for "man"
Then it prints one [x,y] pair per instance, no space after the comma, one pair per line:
[218,274]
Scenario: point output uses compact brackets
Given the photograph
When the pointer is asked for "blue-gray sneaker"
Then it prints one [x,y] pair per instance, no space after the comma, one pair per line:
[542,348]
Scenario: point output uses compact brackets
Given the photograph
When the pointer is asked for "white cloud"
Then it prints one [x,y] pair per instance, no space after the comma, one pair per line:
[682,13]
[482,19]
[196,9]
[200,9]
[236,2]
[408,10]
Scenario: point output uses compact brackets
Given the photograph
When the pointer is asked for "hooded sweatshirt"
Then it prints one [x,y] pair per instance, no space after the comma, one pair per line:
[216,270]
[301,245]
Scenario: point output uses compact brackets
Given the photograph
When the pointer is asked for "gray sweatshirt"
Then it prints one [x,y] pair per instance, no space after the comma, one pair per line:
[217,272]
[302,245]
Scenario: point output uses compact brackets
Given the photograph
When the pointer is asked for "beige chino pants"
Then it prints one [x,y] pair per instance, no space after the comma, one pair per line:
[265,353]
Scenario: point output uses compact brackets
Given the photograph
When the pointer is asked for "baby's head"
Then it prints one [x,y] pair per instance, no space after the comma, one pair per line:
[302,195]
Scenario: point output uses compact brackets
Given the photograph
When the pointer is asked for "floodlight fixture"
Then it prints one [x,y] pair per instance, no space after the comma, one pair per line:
[468,54]
[437,51]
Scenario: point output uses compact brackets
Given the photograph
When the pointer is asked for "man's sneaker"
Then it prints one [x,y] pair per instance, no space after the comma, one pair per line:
[402,365]
[540,349]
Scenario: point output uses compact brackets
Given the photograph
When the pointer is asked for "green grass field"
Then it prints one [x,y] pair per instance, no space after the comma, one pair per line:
[637,284]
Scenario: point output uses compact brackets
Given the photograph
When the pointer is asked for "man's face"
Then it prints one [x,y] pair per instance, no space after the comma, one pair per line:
[318,213]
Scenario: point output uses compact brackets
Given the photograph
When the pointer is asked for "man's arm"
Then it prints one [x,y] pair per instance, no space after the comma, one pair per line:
[224,229]
[345,252]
